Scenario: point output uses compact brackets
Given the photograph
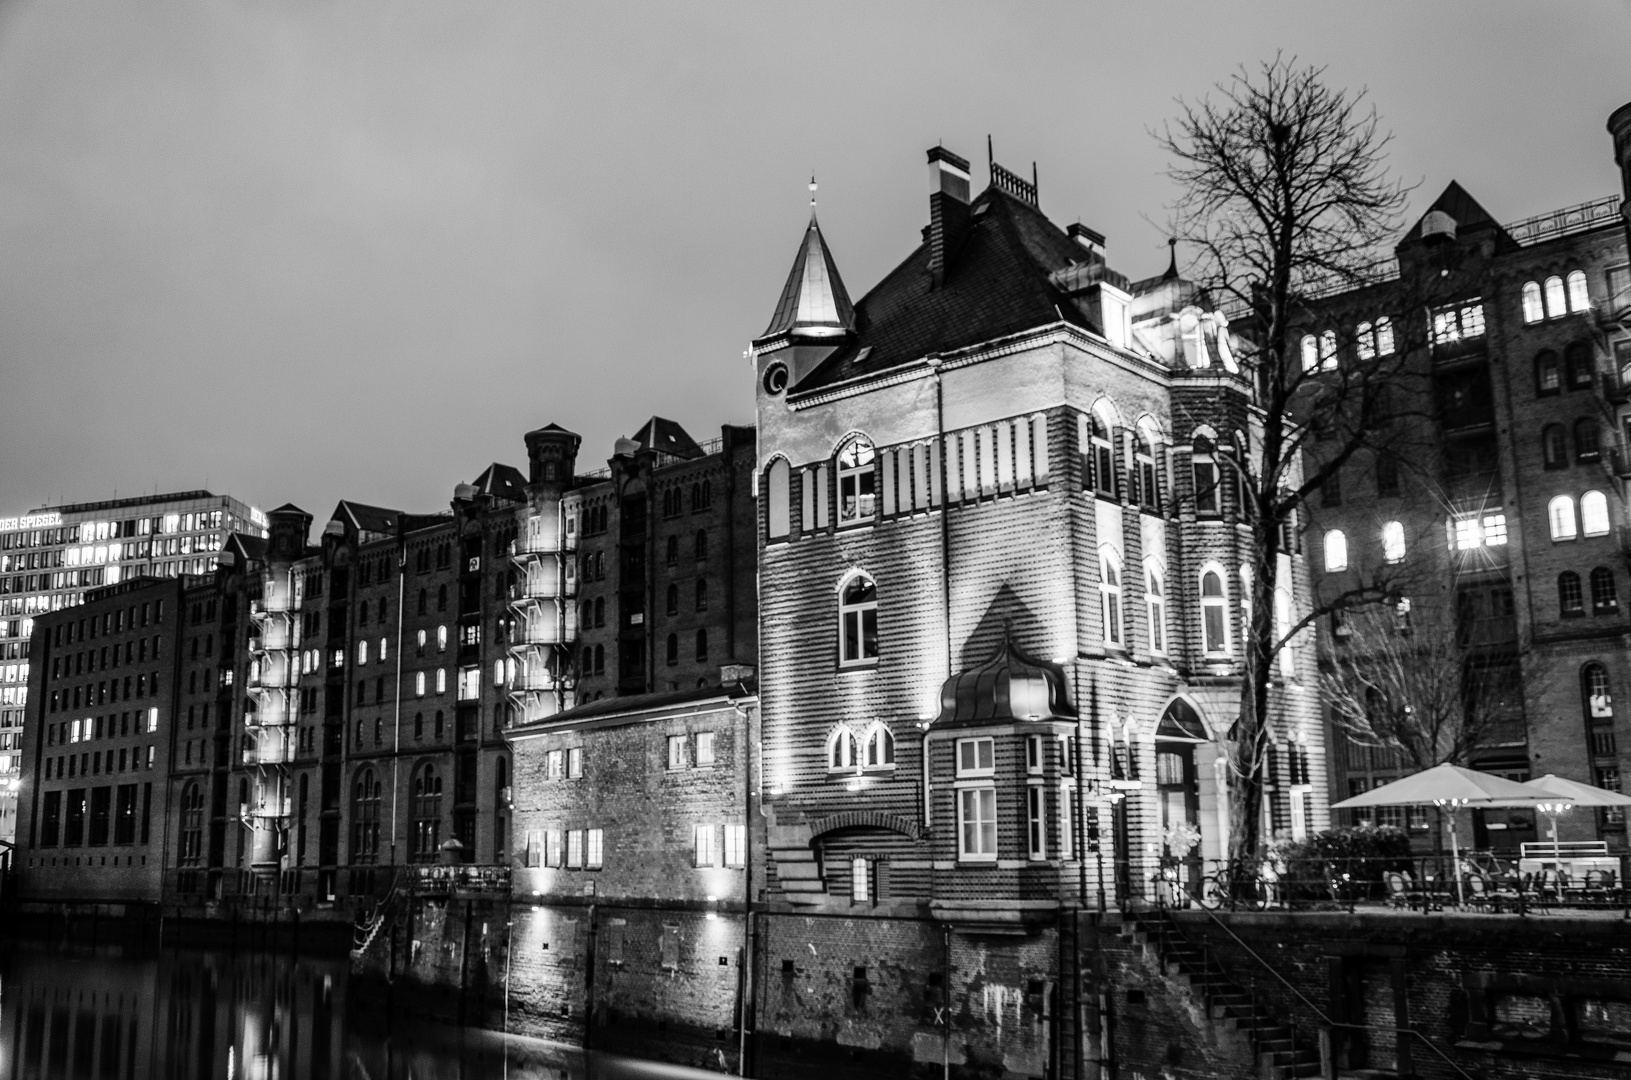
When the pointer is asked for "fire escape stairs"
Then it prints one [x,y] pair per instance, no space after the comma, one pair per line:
[1282,1053]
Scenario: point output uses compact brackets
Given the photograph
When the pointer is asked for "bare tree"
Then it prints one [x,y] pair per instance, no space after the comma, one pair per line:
[1416,684]
[1286,201]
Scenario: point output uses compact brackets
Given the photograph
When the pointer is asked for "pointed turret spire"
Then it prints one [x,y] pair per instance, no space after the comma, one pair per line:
[813,302]
[1172,264]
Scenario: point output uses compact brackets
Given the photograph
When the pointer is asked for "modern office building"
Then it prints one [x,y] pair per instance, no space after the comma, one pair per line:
[1511,516]
[52,556]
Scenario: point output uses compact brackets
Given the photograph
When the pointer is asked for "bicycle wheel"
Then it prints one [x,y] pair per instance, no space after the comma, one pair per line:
[1214,891]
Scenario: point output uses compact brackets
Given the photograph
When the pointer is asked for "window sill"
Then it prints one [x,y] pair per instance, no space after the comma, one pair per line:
[977,860]
[857,665]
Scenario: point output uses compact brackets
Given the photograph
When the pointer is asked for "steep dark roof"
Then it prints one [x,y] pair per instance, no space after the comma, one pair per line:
[666,436]
[287,508]
[814,297]
[1469,216]
[253,547]
[502,482]
[997,284]
[365,518]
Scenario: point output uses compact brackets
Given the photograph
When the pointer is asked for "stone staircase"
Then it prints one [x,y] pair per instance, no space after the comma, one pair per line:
[1283,1053]
[798,871]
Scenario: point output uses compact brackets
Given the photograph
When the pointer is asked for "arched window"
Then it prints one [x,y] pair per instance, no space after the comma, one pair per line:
[673,599]
[1577,362]
[702,646]
[1282,628]
[1554,452]
[1336,551]
[365,804]
[1594,514]
[441,598]
[671,551]
[423,599]
[1104,457]
[419,717]
[1110,595]
[779,499]
[1556,307]
[600,659]
[1384,336]
[1586,446]
[1214,613]
[857,478]
[841,749]
[1579,298]
[699,545]
[1393,547]
[1365,341]
[1570,601]
[1328,351]
[600,611]
[1605,596]
[1533,310]
[1599,703]
[880,746]
[362,611]
[1548,373]
[1560,515]
[857,621]
[426,808]
[673,649]
[707,494]
[702,594]
[1155,601]
[1311,353]
[1204,468]
[192,827]
[1146,493]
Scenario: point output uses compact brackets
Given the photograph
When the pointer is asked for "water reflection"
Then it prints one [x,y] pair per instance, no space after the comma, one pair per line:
[192,1014]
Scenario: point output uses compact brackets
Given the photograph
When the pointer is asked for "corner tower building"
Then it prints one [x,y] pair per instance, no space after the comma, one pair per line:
[1000,582]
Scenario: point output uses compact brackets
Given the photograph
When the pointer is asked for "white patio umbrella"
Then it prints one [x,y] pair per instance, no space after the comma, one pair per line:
[1448,786]
[1554,795]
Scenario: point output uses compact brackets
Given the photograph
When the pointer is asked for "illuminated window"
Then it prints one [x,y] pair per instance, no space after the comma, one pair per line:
[1036,846]
[1458,322]
[1393,546]
[977,825]
[704,846]
[1586,444]
[1336,551]
[1328,351]
[1579,298]
[880,747]
[1533,310]
[1310,353]
[778,486]
[426,808]
[419,684]
[858,621]
[1148,493]
[1365,341]
[1214,617]
[1103,457]
[1599,699]
[1555,304]
[441,680]
[1560,514]
[1494,530]
[1594,513]
[596,844]
[1204,468]
[856,479]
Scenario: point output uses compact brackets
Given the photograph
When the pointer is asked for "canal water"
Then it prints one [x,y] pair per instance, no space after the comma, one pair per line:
[192,1014]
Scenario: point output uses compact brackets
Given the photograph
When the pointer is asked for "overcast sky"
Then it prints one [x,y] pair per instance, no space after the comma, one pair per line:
[303,251]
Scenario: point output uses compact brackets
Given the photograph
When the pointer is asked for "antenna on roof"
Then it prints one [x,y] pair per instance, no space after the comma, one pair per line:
[1036,190]
[990,156]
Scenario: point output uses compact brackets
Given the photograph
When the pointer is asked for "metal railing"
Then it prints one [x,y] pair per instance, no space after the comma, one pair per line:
[1565,221]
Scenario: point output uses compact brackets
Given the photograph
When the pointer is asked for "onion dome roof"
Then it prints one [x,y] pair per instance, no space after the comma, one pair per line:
[1009,686]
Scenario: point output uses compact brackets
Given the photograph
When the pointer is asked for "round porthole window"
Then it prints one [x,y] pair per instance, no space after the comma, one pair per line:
[775,378]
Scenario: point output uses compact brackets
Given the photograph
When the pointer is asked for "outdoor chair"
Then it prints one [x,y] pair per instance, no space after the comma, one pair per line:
[1399,891]
[1601,887]
[1480,895]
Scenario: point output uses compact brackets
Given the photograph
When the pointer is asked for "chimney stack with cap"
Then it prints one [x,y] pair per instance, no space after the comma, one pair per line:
[948,209]
[1091,242]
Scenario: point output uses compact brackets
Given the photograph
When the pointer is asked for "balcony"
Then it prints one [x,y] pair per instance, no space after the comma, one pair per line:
[544,577]
[269,746]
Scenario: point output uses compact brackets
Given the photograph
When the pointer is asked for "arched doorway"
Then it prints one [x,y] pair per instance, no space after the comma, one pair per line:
[1178,795]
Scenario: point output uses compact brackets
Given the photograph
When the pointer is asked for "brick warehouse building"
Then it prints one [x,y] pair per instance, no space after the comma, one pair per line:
[1517,525]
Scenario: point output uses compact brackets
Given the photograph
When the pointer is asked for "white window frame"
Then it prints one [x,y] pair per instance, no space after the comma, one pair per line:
[674,760]
[878,752]
[977,824]
[852,623]
[1557,303]
[857,469]
[736,845]
[552,847]
[574,849]
[976,757]
[1036,822]
[704,752]
[1579,294]
[1155,605]
[1034,760]
[1067,819]
[860,881]
[842,750]
[574,763]
[1110,595]
[1534,308]
[441,680]
[553,762]
[594,848]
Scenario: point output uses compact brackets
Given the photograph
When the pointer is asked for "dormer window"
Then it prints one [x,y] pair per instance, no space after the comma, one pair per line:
[857,479]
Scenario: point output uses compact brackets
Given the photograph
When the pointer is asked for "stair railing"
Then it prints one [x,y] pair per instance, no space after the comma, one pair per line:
[1329,1024]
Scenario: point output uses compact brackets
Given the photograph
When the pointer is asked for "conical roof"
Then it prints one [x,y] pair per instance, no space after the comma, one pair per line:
[1009,686]
[813,302]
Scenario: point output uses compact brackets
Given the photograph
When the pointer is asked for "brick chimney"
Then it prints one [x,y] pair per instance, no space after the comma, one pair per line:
[948,210]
